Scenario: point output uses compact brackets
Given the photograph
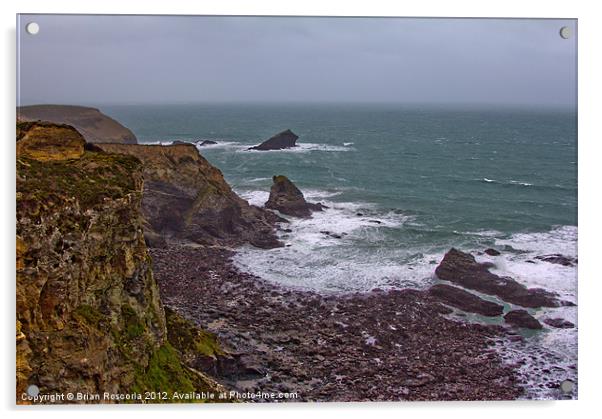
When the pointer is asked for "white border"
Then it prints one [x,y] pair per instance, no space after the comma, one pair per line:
[590,208]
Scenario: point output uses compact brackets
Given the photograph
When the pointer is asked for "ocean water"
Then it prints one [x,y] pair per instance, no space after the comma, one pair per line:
[403,185]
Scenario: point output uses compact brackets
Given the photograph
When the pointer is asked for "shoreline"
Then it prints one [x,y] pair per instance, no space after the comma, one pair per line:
[374,346]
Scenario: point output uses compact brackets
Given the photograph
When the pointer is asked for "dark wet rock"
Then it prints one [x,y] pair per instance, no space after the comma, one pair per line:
[558,259]
[288,199]
[492,252]
[176,142]
[464,300]
[462,269]
[522,318]
[206,142]
[360,214]
[333,235]
[375,221]
[559,323]
[282,140]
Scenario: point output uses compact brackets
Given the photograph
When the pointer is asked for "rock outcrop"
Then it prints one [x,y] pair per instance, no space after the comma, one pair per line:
[462,268]
[558,259]
[186,198]
[95,126]
[288,199]
[559,323]
[280,141]
[89,318]
[522,318]
[465,301]
[206,142]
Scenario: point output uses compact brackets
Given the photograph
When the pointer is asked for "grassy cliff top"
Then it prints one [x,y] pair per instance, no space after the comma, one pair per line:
[42,186]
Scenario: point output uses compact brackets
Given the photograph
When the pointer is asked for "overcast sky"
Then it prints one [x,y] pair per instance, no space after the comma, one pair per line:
[151,59]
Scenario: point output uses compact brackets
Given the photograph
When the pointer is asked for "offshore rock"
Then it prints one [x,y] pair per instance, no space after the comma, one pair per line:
[466,301]
[558,259]
[206,142]
[94,126]
[559,323]
[462,269]
[522,318]
[288,199]
[186,198]
[282,140]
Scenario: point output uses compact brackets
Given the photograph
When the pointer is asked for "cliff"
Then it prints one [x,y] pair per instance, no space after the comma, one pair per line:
[89,318]
[95,126]
[186,198]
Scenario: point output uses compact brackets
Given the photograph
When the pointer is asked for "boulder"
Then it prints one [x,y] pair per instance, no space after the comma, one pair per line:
[282,140]
[464,300]
[559,323]
[492,252]
[558,259]
[288,199]
[462,269]
[521,318]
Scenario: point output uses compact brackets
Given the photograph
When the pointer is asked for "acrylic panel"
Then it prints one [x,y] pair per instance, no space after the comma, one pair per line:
[294,209]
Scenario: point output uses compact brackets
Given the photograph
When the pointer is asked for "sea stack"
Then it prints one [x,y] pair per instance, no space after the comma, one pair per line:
[288,199]
[280,141]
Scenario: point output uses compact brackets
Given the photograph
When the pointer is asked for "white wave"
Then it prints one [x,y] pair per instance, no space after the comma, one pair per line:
[303,148]
[337,250]
[348,144]
[258,198]
[524,267]
[259,179]
[516,182]
[221,144]
[510,182]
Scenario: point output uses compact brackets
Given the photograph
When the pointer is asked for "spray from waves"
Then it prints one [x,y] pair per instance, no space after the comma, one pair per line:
[304,148]
[338,250]
[242,147]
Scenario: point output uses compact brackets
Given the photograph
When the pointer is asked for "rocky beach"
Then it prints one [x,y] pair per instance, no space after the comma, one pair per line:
[383,345]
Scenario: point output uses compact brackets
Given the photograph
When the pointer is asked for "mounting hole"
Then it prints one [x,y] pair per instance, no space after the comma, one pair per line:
[32,28]
[567,386]
[565,32]
[33,390]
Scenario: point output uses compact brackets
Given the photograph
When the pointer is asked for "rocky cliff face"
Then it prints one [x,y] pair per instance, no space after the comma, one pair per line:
[89,318]
[186,198]
[95,126]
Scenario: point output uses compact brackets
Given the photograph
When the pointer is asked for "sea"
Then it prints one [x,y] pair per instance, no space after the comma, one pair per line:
[403,184]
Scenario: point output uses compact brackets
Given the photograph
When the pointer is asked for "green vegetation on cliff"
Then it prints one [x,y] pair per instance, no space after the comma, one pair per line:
[89,317]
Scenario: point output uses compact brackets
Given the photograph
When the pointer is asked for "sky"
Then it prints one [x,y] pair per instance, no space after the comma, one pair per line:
[93,60]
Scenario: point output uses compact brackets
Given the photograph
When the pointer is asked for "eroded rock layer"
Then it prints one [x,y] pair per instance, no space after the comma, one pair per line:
[185,197]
